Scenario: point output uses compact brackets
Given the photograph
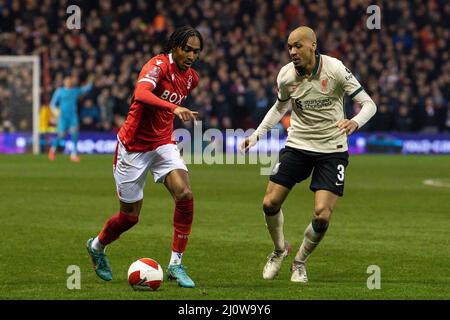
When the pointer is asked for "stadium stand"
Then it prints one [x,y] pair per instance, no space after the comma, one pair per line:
[404,66]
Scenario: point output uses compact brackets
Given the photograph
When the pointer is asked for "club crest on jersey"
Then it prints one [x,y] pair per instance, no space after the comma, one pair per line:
[154,73]
[324,85]
[293,87]
[189,83]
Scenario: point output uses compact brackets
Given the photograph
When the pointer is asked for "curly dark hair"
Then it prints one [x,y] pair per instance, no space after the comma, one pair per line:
[180,37]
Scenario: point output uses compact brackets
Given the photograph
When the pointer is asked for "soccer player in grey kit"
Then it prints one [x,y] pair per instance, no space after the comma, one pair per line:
[315,85]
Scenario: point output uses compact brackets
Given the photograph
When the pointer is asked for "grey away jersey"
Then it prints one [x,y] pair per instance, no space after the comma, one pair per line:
[317,104]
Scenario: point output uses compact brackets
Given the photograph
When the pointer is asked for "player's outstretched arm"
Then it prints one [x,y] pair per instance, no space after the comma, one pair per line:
[143,93]
[88,87]
[248,143]
[55,99]
[185,114]
[272,117]
[54,102]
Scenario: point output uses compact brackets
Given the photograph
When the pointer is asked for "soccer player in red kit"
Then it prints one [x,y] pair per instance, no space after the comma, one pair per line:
[145,143]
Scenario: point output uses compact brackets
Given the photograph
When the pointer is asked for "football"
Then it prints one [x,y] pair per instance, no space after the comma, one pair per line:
[145,274]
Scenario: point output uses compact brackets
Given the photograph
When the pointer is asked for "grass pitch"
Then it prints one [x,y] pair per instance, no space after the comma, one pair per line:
[387,217]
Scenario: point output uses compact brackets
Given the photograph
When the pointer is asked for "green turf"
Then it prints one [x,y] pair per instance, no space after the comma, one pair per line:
[387,217]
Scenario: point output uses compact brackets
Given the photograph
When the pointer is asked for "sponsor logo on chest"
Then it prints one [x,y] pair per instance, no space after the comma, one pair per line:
[313,104]
[172,97]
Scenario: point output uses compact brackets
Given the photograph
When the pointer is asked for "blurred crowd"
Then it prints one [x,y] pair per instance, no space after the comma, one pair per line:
[404,65]
[15,94]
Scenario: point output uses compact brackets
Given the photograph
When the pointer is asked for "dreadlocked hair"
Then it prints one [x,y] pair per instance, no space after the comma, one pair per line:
[180,37]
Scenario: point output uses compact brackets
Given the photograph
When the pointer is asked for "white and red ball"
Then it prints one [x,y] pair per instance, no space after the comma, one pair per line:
[145,274]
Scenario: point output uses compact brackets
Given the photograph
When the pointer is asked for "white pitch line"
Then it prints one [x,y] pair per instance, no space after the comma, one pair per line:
[444,183]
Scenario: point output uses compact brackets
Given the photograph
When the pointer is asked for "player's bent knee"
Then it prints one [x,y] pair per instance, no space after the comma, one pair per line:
[184,194]
[270,207]
[132,209]
[322,212]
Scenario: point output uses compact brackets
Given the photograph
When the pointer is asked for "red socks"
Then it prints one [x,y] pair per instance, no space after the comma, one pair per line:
[115,226]
[182,222]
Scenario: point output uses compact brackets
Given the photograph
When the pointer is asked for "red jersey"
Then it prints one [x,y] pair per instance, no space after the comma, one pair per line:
[149,126]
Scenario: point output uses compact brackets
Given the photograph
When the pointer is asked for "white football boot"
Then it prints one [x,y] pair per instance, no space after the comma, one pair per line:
[274,261]
[299,272]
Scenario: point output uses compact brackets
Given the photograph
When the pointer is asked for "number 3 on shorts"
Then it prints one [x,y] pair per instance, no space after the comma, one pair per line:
[340,174]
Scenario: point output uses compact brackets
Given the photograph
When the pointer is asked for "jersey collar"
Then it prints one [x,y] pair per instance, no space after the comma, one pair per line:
[317,66]
[174,65]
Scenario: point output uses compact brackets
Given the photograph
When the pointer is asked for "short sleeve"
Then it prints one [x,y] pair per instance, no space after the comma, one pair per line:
[348,81]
